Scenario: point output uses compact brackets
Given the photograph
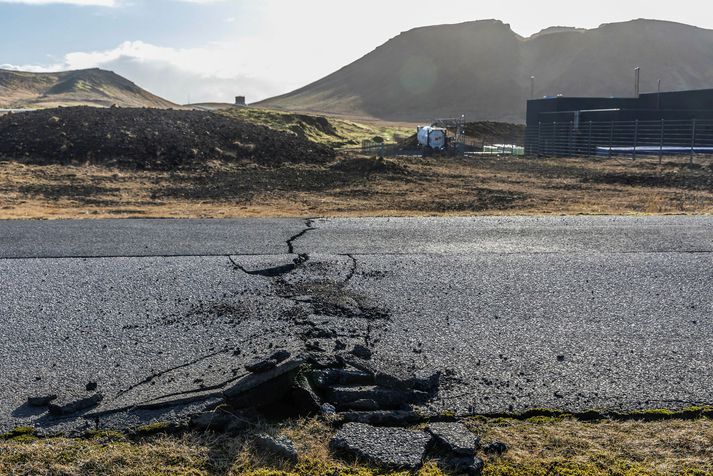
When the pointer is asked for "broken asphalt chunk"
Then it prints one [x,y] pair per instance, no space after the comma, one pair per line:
[76,406]
[43,401]
[365,405]
[280,447]
[280,356]
[263,365]
[382,417]
[391,448]
[260,365]
[303,397]
[319,361]
[468,465]
[454,438]
[425,383]
[496,448]
[362,352]
[259,389]
[385,398]
[359,364]
[327,378]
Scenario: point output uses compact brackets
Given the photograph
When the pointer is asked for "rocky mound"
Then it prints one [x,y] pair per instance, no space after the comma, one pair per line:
[148,139]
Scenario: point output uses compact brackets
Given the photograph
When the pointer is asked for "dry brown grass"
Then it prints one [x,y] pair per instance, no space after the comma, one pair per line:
[539,446]
[543,446]
[419,187]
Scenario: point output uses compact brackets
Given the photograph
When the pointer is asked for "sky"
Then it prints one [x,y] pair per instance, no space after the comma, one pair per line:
[213,50]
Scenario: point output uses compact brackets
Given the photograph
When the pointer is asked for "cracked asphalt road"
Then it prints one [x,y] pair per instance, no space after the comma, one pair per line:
[573,313]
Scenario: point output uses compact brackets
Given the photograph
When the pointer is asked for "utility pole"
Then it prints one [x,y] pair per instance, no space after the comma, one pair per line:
[637,81]
[658,96]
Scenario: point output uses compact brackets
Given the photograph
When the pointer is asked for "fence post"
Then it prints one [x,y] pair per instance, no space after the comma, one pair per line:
[554,137]
[693,140]
[539,138]
[611,138]
[636,139]
[663,121]
[589,140]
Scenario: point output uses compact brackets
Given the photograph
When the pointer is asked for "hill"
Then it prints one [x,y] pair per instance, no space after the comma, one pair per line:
[90,87]
[482,69]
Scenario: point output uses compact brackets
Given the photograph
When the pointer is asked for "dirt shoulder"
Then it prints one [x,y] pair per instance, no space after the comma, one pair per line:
[359,186]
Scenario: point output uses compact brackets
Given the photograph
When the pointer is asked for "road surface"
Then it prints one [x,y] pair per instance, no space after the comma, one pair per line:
[573,313]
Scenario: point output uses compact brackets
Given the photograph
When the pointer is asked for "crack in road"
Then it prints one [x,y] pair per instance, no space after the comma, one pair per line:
[309,223]
[353,269]
[324,311]
[268,272]
[277,271]
[156,375]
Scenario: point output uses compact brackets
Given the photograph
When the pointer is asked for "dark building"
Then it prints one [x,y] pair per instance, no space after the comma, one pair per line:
[669,121]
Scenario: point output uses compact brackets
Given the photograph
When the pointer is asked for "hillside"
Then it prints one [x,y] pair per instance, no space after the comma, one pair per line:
[91,87]
[331,131]
[482,69]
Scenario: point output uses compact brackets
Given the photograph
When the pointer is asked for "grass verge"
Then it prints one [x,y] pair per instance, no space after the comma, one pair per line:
[543,446]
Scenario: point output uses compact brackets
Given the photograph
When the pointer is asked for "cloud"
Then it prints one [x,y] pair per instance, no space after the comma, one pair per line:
[86,3]
[212,73]
[94,3]
[182,86]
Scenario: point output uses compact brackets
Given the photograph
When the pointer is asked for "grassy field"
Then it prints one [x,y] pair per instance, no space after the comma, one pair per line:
[361,186]
[539,446]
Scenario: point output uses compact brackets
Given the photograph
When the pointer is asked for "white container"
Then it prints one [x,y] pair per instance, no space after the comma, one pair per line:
[432,137]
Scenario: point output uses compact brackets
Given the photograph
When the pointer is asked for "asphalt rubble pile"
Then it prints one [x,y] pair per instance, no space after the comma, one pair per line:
[155,139]
[373,411]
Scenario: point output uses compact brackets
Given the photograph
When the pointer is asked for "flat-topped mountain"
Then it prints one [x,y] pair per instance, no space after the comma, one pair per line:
[483,69]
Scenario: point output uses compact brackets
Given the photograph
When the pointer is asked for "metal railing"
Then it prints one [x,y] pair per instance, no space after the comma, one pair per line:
[381,149]
[621,139]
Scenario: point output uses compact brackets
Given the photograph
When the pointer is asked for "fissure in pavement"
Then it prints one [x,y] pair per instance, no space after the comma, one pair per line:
[337,329]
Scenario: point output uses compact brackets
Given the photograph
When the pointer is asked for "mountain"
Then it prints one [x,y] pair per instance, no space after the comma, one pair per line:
[92,87]
[483,69]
